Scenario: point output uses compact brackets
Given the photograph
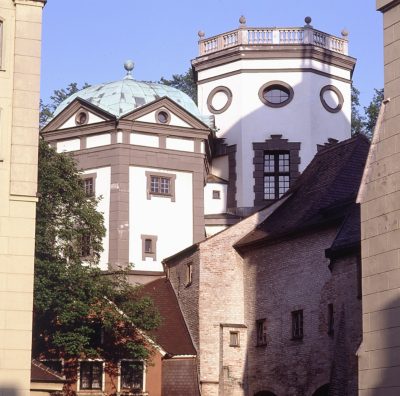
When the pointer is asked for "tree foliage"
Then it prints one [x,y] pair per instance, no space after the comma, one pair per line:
[365,123]
[184,82]
[59,95]
[73,298]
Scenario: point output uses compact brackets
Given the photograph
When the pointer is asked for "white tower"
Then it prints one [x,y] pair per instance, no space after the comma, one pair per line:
[276,93]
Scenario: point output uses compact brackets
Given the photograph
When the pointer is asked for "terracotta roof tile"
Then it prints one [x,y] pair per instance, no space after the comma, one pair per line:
[172,335]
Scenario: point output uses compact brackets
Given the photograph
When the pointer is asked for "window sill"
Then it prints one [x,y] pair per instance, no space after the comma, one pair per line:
[297,339]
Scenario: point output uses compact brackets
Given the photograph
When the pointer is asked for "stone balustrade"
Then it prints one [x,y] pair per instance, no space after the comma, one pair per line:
[273,36]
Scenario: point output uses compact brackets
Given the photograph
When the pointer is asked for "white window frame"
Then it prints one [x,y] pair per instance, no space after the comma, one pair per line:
[119,373]
[103,376]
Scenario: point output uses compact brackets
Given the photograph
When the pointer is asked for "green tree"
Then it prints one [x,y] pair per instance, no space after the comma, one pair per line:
[184,82]
[73,298]
[59,95]
[372,112]
[357,120]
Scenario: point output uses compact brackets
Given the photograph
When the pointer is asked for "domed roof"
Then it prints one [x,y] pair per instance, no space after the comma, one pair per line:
[124,96]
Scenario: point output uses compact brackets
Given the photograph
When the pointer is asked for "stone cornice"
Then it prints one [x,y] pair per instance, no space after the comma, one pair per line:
[385,5]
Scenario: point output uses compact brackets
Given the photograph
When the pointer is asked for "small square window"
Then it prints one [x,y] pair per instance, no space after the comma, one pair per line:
[189,274]
[132,376]
[234,339]
[91,375]
[297,325]
[261,332]
[149,247]
[216,194]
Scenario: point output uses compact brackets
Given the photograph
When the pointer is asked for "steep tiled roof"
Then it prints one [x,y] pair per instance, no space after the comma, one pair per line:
[172,335]
[42,373]
[321,194]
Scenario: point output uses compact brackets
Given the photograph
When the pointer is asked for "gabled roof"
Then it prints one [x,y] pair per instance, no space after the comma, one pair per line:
[42,373]
[172,335]
[322,193]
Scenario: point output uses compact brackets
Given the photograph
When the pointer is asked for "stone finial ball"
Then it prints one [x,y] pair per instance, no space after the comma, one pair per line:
[201,34]
[129,65]
[307,20]
[242,20]
[345,32]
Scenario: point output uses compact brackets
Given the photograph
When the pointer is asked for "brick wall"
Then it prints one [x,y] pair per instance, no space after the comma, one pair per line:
[214,301]
[294,275]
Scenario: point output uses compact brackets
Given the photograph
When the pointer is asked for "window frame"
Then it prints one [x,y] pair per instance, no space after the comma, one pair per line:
[102,381]
[172,179]
[189,274]
[231,339]
[129,390]
[85,245]
[216,194]
[153,253]
[281,85]
[276,174]
[88,176]
[297,324]
[261,341]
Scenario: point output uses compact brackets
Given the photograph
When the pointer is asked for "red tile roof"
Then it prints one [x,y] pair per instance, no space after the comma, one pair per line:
[172,335]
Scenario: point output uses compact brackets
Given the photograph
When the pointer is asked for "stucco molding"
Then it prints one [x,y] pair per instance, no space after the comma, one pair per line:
[262,52]
[332,88]
[211,95]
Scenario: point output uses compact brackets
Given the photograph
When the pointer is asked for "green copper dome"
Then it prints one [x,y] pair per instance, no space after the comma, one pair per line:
[124,96]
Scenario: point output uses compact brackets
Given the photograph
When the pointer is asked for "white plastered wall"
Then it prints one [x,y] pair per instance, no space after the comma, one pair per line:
[68,145]
[171,222]
[248,120]
[211,205]
[102,189]
[102,139]
[70,123]
[174,121]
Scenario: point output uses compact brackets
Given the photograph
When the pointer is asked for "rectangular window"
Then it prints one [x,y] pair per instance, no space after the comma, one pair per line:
[297,325]
[160,184]
[149,247]
[189,274]
[216,194]
[261,332]
[91,375]
[132,375]
[276,174]
[330,319]
[86,240]
[88,186]
[234,339]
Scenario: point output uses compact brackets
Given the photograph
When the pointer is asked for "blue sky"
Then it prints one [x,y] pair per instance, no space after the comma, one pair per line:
[89,40]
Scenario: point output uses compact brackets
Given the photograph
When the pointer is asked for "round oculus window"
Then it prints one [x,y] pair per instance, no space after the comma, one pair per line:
[331,98]
[219,99]
[82,118]
[163,117]
[276,94]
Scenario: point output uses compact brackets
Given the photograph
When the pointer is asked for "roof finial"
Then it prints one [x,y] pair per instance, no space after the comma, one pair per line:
[129,66]
[308,20]
[345,33]
[201,34]
[242,20]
